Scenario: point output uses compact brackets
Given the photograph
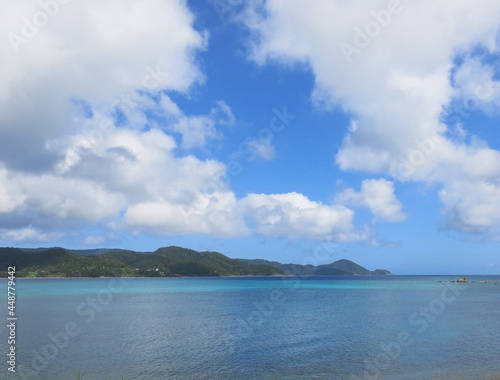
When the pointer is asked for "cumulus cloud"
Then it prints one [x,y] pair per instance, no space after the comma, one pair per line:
[137,174]
[95,239]
[394,67]
[376,195]
[143,168]
[67,81]
[95,52]
[78,142]
[296,216]
[10,196]
[255,148]
[28,234]
[214,214]
[474,87]
[472,207]
[196,130]
[135,181]
[261,148]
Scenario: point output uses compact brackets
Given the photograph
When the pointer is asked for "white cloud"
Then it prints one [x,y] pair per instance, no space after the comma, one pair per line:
[94,239]
[64,198]
[214,214]
[10,195]
[261,148]
[472,207]
[137,175]
[28,234]
[376,195]
[57,105]
[143,167]
[222,114]
[296,216]
[475,88]
[96,52]
[132,172]
[396,85]
[96,57]
[195,131]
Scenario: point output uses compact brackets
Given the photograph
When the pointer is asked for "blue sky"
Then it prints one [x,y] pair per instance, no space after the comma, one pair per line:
[286,130]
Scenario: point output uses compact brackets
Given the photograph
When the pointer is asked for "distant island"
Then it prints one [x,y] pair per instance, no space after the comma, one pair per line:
[164,262]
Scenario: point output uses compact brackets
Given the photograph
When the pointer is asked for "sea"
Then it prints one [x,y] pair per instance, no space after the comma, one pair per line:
[253,328]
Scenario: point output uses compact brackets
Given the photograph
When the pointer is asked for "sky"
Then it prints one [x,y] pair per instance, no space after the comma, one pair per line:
[288,130]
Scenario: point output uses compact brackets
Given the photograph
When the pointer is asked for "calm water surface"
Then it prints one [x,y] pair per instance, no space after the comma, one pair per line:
[398,327]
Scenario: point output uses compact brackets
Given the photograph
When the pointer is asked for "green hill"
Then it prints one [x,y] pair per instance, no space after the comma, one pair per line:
[58,262]
[340,267]
[164,262]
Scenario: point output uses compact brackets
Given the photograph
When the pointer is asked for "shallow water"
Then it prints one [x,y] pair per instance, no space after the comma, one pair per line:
[325,327]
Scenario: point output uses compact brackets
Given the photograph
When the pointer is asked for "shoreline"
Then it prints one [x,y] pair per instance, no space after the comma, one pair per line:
[285,275]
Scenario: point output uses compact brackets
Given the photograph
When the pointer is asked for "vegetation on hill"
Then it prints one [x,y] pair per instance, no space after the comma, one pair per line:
[164,262]
[339,268]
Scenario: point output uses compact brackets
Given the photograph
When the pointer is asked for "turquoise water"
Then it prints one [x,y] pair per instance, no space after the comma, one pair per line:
[326,327]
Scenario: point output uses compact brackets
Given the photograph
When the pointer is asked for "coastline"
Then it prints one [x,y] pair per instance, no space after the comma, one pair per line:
[471,278]
[104,277]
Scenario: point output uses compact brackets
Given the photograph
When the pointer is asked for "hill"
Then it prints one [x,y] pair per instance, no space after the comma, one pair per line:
[339,268]
[164,262]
